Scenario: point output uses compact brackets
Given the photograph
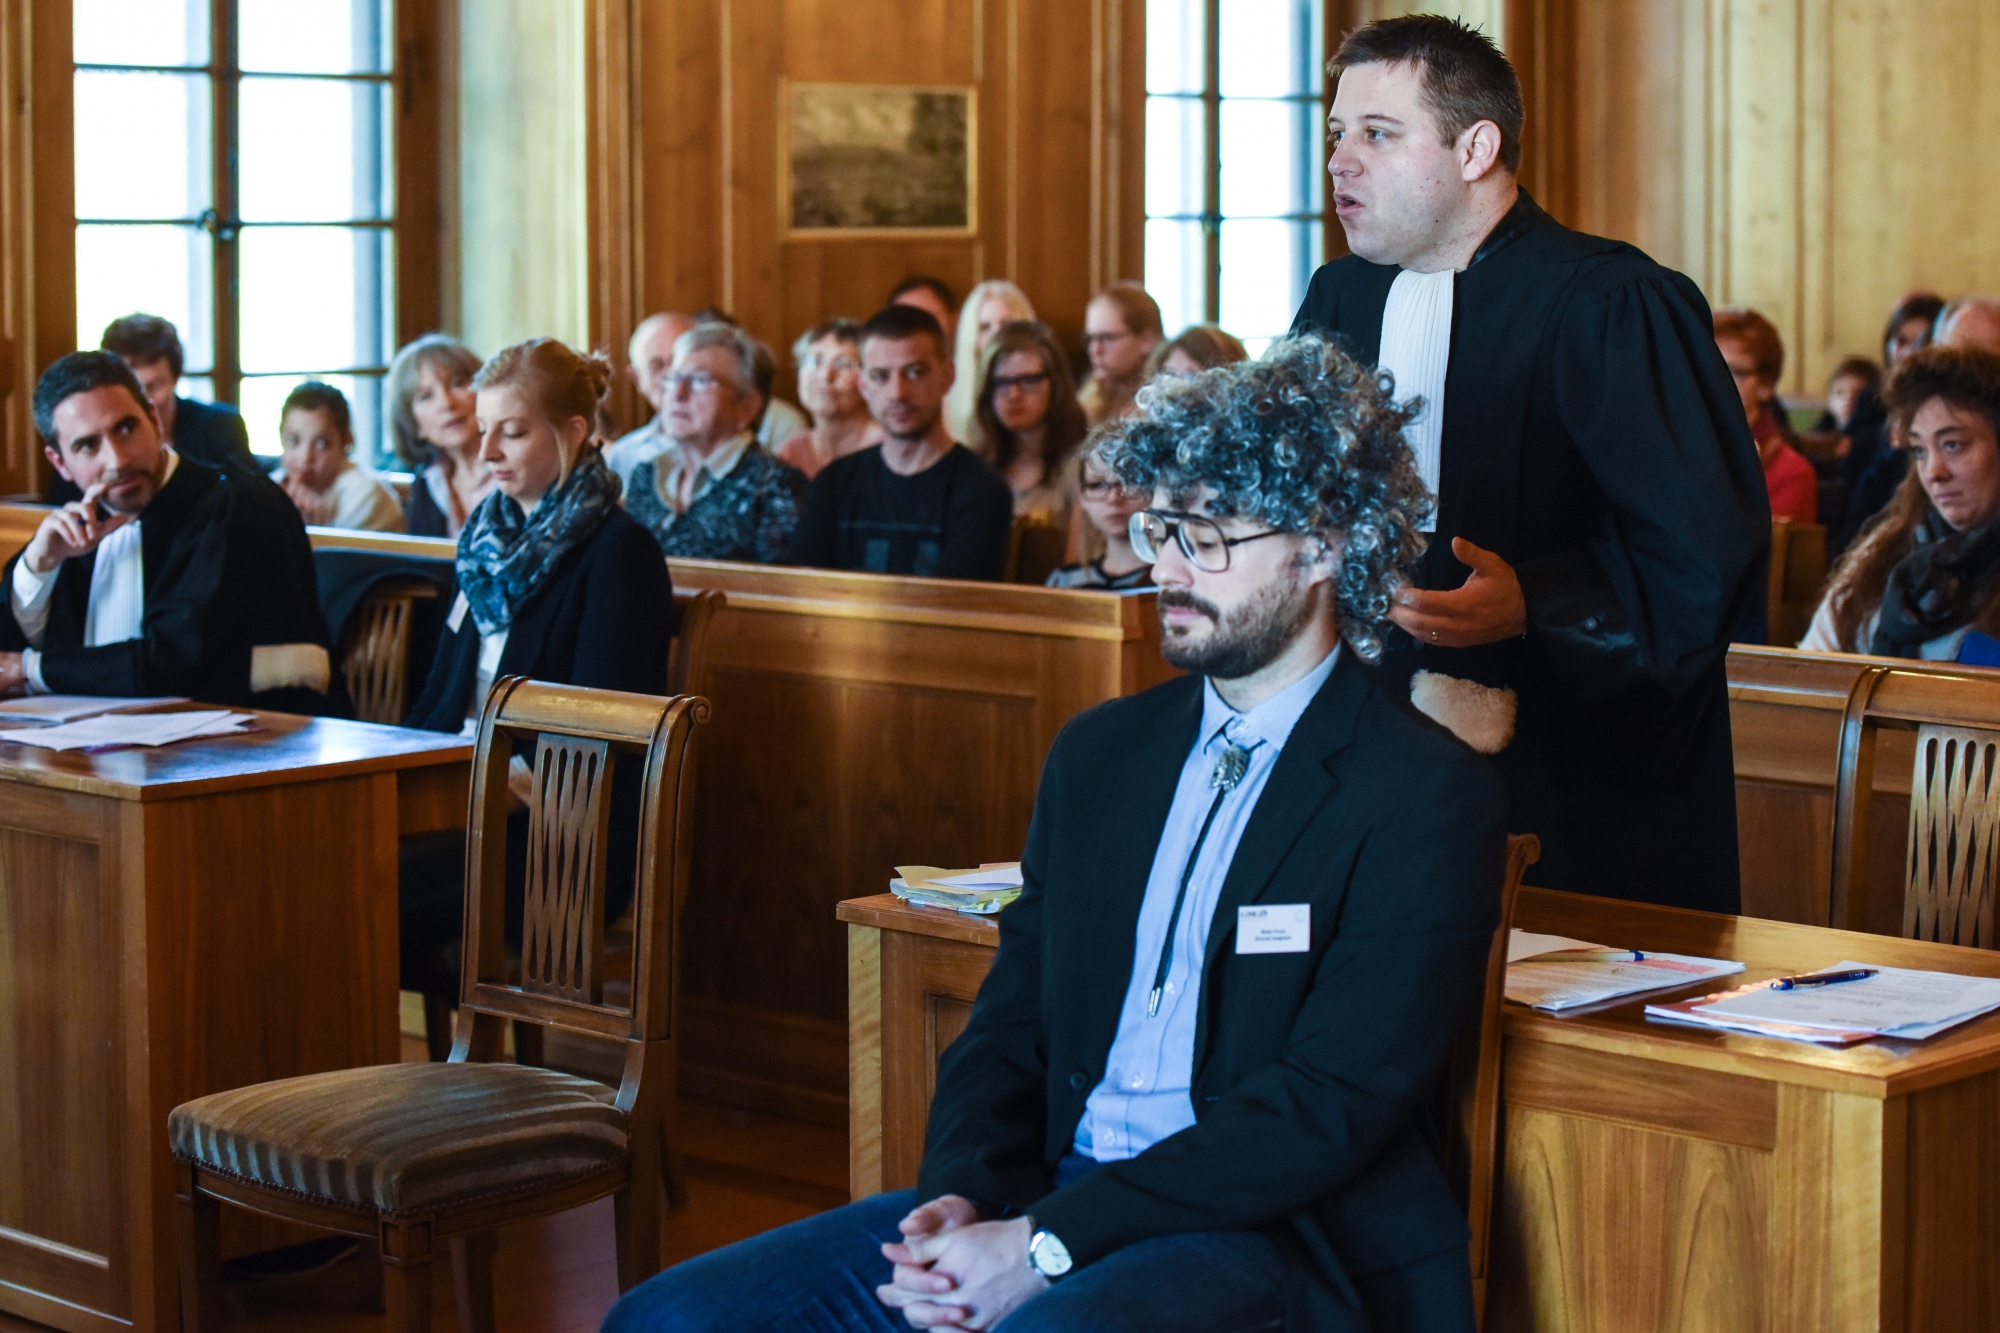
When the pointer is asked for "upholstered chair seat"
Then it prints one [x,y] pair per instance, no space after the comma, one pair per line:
[406,1139]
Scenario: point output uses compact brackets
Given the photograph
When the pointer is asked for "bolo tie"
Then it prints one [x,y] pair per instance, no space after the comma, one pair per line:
[1225,777]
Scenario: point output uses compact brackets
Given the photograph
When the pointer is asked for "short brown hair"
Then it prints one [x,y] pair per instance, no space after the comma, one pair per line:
[1466,79]
[1136,307]
[143,339]
[1758,335]
[1966,377]
[1204,344]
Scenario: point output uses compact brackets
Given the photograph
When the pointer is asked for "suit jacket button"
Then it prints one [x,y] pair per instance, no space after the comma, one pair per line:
[1078,1080]
[1590,623]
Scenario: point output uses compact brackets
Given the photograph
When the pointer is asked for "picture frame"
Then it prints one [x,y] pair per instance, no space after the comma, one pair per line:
[877,160]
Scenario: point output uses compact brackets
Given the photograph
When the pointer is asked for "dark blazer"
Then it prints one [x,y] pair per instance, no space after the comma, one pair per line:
[603,618]
[228,568]
[1313,1072]
[1594,440]
[421,516]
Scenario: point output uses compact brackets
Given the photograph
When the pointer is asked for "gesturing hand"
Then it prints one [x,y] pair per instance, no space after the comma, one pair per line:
[981,1271]
[1487,609]
[73,530]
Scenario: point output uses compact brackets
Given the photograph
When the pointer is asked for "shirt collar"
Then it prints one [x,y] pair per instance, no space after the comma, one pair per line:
[1271,721]
[721,461]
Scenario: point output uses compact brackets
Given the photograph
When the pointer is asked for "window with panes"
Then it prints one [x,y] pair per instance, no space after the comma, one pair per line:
[1235,161]
[234,174]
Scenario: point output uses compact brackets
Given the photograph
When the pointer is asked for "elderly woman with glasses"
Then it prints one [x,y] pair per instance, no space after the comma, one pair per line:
[713,494]
[829,360]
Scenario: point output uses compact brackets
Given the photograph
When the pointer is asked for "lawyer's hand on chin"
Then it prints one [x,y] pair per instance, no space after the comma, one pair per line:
[965,1276]
[72,530]
[13,680]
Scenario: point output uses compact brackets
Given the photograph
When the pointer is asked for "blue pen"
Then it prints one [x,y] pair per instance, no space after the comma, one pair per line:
[1823,978]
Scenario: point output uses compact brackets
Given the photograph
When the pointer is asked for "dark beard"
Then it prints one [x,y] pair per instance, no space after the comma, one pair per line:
[1247,640]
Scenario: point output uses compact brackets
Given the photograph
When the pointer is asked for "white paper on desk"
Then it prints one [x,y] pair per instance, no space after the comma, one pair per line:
[1553,984]
[76,707]
[1526,944]
[147,729]
[1896,1002]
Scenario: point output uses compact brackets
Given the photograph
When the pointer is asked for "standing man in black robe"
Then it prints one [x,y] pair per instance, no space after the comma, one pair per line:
[1602,520]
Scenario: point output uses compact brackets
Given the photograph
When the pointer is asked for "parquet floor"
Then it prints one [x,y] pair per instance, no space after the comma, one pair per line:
[747,1173]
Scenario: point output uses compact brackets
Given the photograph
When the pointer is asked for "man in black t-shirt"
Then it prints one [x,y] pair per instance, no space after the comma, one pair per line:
[917,503]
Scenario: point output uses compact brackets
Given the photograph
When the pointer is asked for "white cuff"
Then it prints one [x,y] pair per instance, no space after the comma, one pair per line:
[30,598]
[31,671]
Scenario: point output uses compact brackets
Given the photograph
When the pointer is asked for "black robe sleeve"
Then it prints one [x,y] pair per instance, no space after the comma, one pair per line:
[1640,615]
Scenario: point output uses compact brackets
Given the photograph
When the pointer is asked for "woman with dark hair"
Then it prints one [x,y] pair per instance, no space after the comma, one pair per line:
[431,416]
[318,471]
[1909,328]
[1926,571]
[1027,422]
[556,582]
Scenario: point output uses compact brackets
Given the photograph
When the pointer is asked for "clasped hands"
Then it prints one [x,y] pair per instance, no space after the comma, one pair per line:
[1489,606]
[955,1271]
[74,529]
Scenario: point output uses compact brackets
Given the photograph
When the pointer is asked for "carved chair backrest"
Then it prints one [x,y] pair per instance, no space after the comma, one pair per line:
[687,664]
[577,735]
[1949,858]
[375,658]
[1479,1087]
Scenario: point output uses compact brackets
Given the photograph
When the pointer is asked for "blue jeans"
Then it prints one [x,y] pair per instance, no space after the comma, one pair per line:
[819,1276]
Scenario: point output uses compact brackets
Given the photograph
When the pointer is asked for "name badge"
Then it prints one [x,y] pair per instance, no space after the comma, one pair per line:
[1274,928]
[458,610]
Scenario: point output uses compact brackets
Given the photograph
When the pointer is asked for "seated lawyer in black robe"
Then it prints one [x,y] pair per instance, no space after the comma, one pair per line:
[572,591]
[1602,522]
[1198,1089]
[168,577]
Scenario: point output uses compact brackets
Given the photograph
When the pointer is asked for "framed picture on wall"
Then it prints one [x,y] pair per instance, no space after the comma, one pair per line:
[868,159]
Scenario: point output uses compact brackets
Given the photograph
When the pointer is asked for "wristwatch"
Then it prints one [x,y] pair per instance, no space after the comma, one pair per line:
[1047,1255]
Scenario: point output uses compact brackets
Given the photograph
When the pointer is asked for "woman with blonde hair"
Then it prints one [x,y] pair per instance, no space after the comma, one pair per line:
[431,418]
[1926,572]
[989,306]
[555,581]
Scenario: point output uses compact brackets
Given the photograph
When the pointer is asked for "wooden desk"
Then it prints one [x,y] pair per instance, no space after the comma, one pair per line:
[174,922]
[1654,1177]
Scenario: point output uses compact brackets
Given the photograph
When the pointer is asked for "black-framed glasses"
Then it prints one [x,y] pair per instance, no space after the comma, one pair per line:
[1200,539]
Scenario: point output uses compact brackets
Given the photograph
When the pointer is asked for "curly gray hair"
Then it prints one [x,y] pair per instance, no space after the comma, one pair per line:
[1305,440]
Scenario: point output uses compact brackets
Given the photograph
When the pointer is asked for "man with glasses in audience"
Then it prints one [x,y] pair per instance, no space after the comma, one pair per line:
[919,502]
[649,356]
[1198,1088]
[712,493]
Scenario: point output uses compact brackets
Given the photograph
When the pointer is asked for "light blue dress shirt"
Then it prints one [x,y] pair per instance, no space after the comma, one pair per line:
[1144,1096]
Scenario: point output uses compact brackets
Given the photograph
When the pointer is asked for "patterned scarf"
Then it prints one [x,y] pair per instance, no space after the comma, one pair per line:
[1939,586]
[505,554]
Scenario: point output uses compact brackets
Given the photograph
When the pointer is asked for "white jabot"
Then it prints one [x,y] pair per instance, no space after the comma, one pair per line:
[1416,349]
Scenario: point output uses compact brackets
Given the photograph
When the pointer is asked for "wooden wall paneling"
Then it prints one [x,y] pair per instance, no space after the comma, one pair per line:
[37,223]
[422,147]
[614,221]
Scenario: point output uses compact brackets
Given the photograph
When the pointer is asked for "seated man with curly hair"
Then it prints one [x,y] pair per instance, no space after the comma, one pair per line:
[1199,1086]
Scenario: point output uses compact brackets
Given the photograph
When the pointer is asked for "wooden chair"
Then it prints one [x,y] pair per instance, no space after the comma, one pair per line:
[1796,576]
[1479,1078]
[375,651]
[1949,858]
[1035,549]
[413,1156]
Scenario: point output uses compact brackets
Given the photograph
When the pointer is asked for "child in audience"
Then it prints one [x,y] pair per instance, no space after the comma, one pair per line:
[330,489]
[1844,388]
[1109,507]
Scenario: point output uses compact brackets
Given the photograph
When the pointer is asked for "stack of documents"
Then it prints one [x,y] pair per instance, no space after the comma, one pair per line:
[1895,1002]
[132,729]
[981,892]
[1554,972]
[75,707]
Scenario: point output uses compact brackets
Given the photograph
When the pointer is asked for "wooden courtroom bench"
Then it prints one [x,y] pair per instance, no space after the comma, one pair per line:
[1653,1176]
[859,719]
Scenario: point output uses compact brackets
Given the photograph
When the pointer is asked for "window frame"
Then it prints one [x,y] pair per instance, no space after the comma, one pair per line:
[414,128]
[1211,217]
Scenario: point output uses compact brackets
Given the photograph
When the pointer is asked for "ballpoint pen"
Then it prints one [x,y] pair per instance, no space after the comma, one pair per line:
[1588,956]
[1812,979]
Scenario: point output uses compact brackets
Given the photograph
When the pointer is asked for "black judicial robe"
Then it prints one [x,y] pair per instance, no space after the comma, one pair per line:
[1594,440]
[227,568]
